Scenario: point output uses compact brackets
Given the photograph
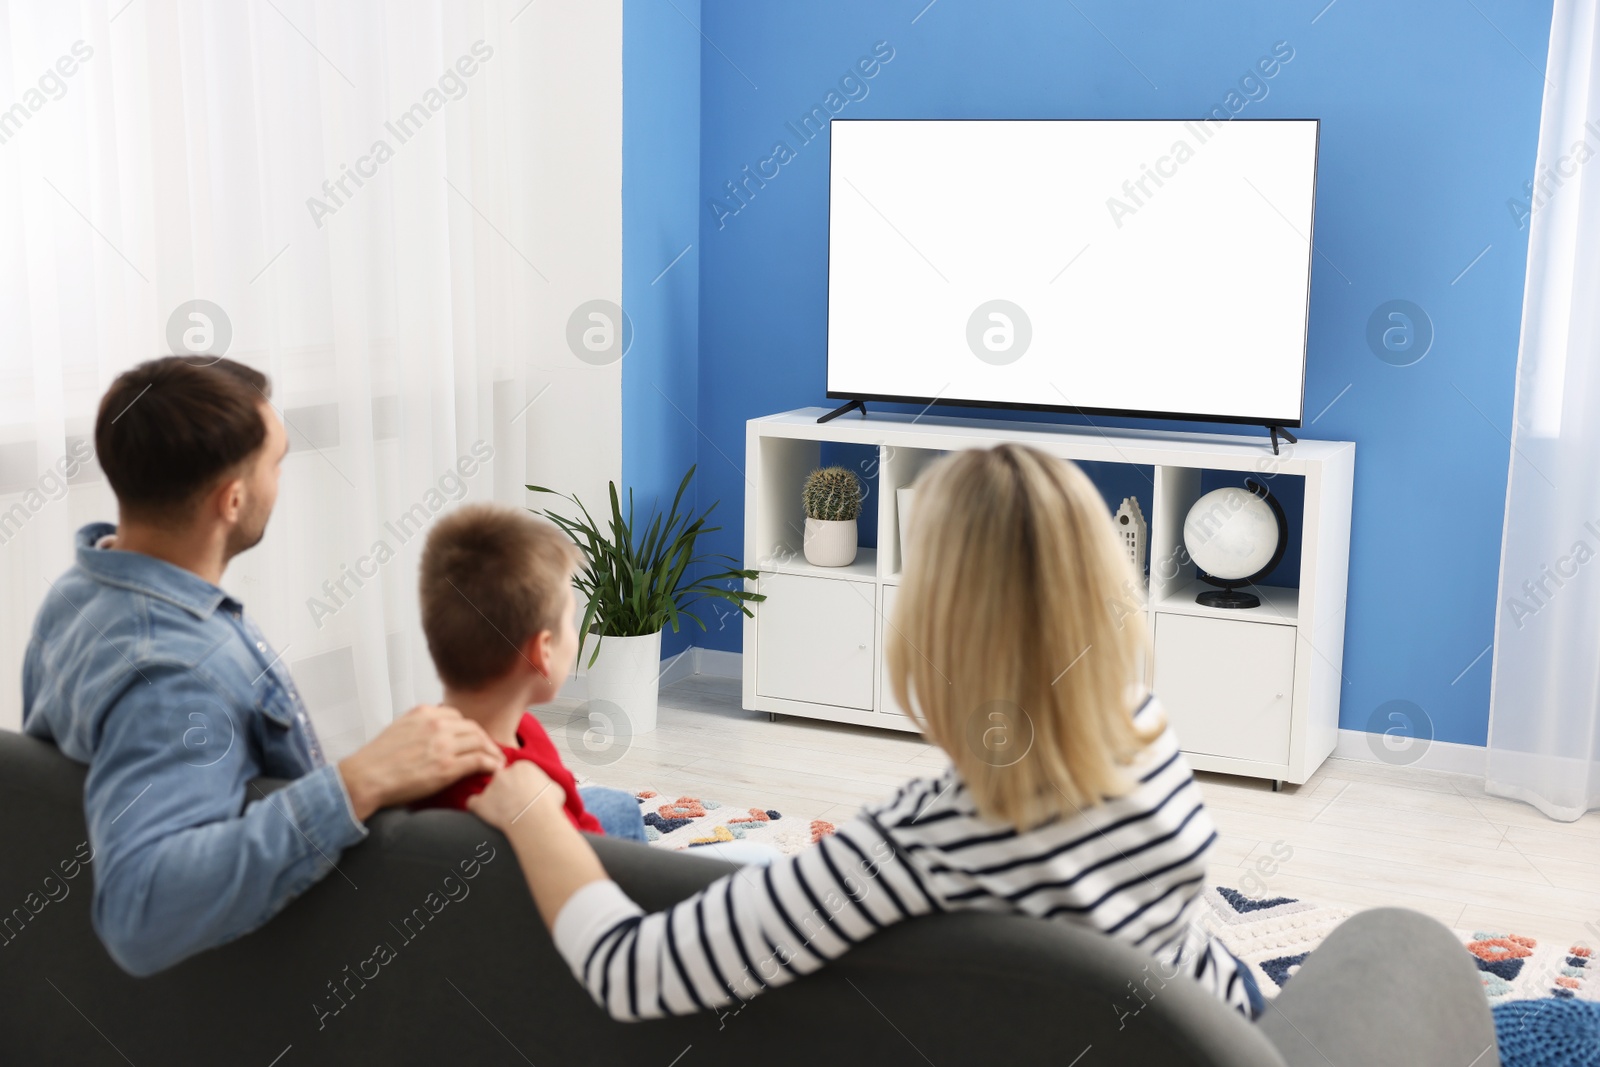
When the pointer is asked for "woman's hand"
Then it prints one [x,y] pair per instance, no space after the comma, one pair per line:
[518,792]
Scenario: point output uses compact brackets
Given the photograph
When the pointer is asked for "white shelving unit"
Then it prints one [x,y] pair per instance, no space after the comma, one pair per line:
[1252,692]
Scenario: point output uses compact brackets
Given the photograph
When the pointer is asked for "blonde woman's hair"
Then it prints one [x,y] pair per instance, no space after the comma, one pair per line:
[1017,639]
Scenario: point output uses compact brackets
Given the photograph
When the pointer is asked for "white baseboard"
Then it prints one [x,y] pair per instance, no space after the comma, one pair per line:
[1439,756]
[718,664]
[691,661]
[678,667]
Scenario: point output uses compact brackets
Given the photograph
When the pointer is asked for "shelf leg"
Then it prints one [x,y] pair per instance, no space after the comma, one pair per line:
[1277,785]
[772,716]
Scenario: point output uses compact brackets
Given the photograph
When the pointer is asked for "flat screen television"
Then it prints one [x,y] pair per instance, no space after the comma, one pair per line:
[1153,268]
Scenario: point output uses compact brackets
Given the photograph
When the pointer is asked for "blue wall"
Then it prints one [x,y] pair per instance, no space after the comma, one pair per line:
[660,218]
[1430,116]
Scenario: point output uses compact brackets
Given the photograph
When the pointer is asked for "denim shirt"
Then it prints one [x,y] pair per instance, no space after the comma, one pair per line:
[158,681]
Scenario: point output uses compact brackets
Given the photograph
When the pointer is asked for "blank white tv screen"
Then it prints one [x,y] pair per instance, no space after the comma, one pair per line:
[1156,268]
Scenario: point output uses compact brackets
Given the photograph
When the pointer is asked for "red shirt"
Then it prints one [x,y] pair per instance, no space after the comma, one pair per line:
[532,744]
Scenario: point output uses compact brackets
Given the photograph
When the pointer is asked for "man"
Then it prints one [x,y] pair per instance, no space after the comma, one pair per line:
[141,667]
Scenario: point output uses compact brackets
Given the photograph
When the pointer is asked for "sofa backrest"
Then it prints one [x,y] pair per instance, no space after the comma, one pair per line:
[470,975]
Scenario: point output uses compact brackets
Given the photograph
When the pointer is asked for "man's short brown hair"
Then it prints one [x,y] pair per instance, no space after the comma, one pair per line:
[170,428]
[492,577]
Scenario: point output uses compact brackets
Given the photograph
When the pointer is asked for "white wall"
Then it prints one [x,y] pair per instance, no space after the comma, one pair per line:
[454,297]
[572,78]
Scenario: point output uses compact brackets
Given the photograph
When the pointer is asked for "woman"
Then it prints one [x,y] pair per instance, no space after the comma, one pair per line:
[1067,798]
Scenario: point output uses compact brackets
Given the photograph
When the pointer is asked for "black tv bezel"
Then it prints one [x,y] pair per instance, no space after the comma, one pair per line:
[1007,405]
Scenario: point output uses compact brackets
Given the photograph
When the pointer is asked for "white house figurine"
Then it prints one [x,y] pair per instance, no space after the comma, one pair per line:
[1132,530]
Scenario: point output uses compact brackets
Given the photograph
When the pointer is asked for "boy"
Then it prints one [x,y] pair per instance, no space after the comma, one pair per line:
[497,609]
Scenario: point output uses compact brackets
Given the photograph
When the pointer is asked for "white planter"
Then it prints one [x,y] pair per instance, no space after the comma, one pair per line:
[830,543]
[625,675]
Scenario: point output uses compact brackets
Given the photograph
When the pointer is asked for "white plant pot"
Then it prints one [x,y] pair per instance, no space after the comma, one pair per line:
[626,675]
[830,543]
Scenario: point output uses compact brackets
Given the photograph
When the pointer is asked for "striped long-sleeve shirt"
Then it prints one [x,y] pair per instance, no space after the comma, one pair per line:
[1132,867]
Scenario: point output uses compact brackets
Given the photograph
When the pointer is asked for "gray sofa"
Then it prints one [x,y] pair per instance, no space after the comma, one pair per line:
[471,977]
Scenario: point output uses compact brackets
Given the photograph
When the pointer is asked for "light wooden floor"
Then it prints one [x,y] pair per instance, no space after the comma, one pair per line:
[1357,835]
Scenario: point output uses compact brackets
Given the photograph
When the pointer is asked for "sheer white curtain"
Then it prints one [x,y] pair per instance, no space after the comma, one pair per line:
[373,194]
[1544,724]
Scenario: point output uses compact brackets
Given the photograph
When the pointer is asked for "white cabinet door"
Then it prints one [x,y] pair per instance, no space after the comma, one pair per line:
[815,639]
[886,701]
[1227,686]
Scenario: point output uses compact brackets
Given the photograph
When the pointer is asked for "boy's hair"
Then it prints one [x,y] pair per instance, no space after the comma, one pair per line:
[169,429]
[1018,638]
[492,577]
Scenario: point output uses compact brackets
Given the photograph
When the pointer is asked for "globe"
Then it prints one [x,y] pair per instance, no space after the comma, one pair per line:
[1231,533]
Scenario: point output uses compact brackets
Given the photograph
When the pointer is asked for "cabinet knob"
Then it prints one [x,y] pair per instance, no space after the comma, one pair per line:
[1280,696]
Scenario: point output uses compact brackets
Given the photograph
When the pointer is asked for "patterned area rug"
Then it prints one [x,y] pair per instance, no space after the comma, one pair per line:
[1545,997]
[1273,935]
[685,822]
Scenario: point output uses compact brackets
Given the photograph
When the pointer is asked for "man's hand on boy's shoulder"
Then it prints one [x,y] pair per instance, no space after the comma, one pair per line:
[418,754]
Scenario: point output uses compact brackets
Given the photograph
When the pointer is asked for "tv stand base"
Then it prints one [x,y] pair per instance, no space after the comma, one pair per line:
[841,409]
[1275,431]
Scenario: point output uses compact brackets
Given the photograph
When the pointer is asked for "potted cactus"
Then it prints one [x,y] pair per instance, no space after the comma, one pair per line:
[832,498]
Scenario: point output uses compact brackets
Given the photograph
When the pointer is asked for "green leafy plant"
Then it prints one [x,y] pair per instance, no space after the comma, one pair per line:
[635,584]
[832,494]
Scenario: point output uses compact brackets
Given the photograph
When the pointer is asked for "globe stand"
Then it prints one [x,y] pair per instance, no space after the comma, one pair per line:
[1228,594]
[1227,598]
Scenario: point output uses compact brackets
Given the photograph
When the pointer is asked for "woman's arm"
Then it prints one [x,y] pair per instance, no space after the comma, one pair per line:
[524,804]
[747,932]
